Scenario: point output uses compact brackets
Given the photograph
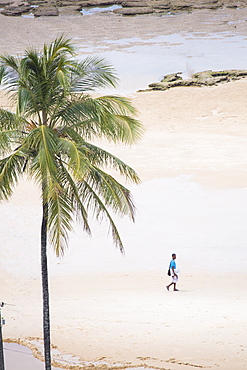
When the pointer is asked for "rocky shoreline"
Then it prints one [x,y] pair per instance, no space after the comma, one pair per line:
[205,78]
[39,8]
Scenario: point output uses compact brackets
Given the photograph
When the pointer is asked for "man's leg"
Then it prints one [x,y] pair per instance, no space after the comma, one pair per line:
[168,286]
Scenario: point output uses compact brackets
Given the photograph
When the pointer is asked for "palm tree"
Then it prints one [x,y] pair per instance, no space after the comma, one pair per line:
[50,139]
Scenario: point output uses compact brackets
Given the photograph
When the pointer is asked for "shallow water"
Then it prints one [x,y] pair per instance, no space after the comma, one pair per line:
[139,62]
[21,358]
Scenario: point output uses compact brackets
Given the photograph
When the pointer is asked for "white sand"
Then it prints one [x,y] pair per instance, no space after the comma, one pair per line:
[192,201]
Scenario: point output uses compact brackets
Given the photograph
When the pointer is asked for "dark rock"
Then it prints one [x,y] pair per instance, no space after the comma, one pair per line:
[87,3]
[234,5]
[207,6]
[204,2]
[160,4]
[11,10]
[158,86]
[67,3]
[172,77]
[46,11]
[5,2]
[231,3]
[155,4]
[42,2]
[133,4]
[232,74]
[133,11]
[205,78]
[70,10]
[181,5]
[168,85]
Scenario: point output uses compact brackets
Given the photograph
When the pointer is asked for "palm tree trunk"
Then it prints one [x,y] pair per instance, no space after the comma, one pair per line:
[45,290]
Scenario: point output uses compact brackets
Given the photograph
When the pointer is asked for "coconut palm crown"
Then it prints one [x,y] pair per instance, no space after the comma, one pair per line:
[50,137]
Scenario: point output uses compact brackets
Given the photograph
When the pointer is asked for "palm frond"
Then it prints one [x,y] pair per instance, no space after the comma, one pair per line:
[108,117]
[41,143]
[117,105]
[11,170]
[60,213]
[9,61]
[113,194]
[93,73]
[58,47]
[69,148]
[9,72]
[116,117]
[70,185]
[76,113]
[2,73]
[7,138]
[94,202]
[9,120]
[102,158]
[30,65]
[26,103]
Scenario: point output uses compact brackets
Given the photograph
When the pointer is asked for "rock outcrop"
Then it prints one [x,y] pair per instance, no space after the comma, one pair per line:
[129,7]
[15,10]
[47,11]
[92,3]
[5,3]
[206,78]
[70,10]
[134,10]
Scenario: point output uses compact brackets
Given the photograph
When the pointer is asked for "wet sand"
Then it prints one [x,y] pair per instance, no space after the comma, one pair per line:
[21,357]
[150,46]
[108,308]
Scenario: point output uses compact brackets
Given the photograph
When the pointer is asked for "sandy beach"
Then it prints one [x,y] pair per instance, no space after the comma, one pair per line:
[111,309]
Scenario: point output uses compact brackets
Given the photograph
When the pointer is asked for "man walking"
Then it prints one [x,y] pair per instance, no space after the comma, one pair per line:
[174,275]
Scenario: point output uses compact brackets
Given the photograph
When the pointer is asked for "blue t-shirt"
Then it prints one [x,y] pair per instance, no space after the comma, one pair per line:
[173,264]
